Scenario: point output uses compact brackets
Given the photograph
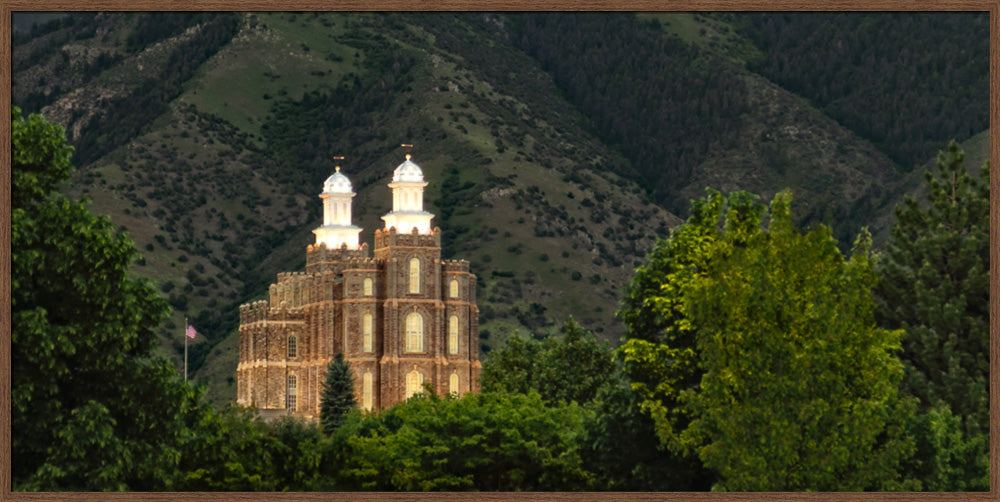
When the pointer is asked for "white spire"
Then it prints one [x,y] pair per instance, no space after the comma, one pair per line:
[408,200]
[337,229]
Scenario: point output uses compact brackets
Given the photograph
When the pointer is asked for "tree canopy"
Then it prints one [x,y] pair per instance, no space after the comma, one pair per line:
[91,409]
[771,354]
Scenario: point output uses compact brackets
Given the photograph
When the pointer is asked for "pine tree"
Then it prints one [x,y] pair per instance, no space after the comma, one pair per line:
[338,394]
[935,286]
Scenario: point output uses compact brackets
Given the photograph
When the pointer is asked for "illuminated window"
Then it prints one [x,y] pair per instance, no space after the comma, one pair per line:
[453,335]
[291,346]
[366,332]
[414,382]
[453,289]
[366,391]
[290,395]
[414,332]
[414,275]
[453,384]
[368,286]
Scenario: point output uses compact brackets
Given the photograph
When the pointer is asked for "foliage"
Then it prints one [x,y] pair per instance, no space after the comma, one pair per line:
[489,441]
[947,458]
[621,447]
[337,397]
[660,355]
[90,408]
[935,286]
[795,387]
[571,368]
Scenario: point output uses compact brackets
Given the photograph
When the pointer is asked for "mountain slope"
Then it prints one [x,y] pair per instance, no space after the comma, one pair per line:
[556,151]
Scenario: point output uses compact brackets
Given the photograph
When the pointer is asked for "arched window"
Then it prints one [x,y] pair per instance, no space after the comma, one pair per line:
[368,286]
[366,391]
[366,332]
[414,382]
[414,275]
[453,288]
[453,384]
[292,349]
[290,394]
[453,335]
[414,332]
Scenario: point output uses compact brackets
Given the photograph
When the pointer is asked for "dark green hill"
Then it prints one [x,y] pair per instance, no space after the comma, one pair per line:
[558,146]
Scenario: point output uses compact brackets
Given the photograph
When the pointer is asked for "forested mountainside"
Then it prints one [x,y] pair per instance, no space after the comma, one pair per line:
[558,146]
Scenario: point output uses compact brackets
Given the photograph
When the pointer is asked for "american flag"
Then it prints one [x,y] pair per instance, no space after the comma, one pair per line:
[190,332]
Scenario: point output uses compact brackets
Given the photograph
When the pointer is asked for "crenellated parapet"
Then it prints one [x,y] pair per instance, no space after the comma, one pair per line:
[392,238]
[253,312]
[455,266]
[320,258]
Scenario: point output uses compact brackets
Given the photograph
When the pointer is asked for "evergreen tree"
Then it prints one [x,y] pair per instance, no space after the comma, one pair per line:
[935,286]
[338,394]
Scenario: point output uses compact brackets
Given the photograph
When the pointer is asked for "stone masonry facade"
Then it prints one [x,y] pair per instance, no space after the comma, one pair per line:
[402,318]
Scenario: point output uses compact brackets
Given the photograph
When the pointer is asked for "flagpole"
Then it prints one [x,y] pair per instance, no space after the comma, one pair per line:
[185,349]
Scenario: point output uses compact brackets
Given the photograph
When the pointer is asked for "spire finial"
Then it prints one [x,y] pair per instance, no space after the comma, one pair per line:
[335,159]
[407,145]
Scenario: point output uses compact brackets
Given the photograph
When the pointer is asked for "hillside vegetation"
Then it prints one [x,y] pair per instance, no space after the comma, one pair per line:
[558,147]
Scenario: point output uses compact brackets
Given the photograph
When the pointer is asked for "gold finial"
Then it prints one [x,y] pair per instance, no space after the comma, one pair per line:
[336,158]
[407,145]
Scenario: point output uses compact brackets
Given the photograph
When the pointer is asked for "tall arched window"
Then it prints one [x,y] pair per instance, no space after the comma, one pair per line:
[366,332]
[366,391]
[368,286]
[292,349]
[414,382]
[290,394]
[414,332]
[453,384]
[453,288]
[414,275]
[453,335]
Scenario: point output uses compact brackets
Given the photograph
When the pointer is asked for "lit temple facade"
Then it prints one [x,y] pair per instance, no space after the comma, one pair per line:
[402,318]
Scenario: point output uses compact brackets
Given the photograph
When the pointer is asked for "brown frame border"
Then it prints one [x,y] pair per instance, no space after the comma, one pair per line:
[8,7]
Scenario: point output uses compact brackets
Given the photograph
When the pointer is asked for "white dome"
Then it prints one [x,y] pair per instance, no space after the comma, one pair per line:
[337,183]
[408,171]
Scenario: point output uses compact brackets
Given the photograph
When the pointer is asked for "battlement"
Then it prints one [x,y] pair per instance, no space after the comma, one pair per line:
[390,237]
[320,258]
[253,312]
[455,266]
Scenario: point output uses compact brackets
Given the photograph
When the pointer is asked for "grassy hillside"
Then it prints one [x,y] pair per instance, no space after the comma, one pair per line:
[556,155]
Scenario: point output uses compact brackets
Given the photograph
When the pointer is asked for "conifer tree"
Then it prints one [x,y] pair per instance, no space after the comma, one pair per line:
[935,286]
[338,394]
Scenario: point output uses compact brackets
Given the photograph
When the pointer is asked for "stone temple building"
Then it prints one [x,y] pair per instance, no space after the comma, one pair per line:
[402,318]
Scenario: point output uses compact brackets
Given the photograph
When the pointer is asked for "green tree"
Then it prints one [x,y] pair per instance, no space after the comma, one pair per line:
[90,409]
[337,397]
[935,286]
[659,356]
[490,441]
[620,446]
[569,368]
[796,386]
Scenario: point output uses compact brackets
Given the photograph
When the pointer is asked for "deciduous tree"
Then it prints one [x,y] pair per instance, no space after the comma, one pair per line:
[90,408]
[795,388]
